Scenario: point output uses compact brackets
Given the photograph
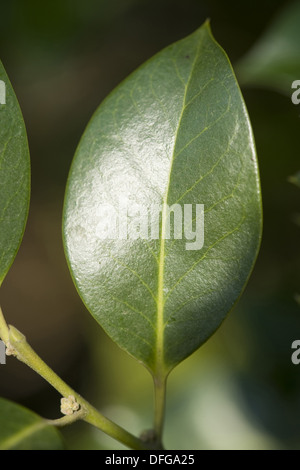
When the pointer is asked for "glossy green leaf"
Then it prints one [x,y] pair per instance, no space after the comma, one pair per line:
[21,429]
[14,175]
[274,60]
[175,132]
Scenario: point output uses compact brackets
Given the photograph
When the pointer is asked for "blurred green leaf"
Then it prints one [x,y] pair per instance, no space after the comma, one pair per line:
[274,60]
[175,132]
[21,429]
[14,175]
[295,179]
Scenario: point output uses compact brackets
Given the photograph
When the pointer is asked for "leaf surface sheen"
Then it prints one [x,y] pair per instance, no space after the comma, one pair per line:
[175,132]
[14,175]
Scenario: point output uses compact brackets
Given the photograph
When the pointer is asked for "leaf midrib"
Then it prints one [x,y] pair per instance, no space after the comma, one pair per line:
[13,441]
[160,368]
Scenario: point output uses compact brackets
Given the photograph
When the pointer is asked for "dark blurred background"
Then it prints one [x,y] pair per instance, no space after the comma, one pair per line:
[240,390]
